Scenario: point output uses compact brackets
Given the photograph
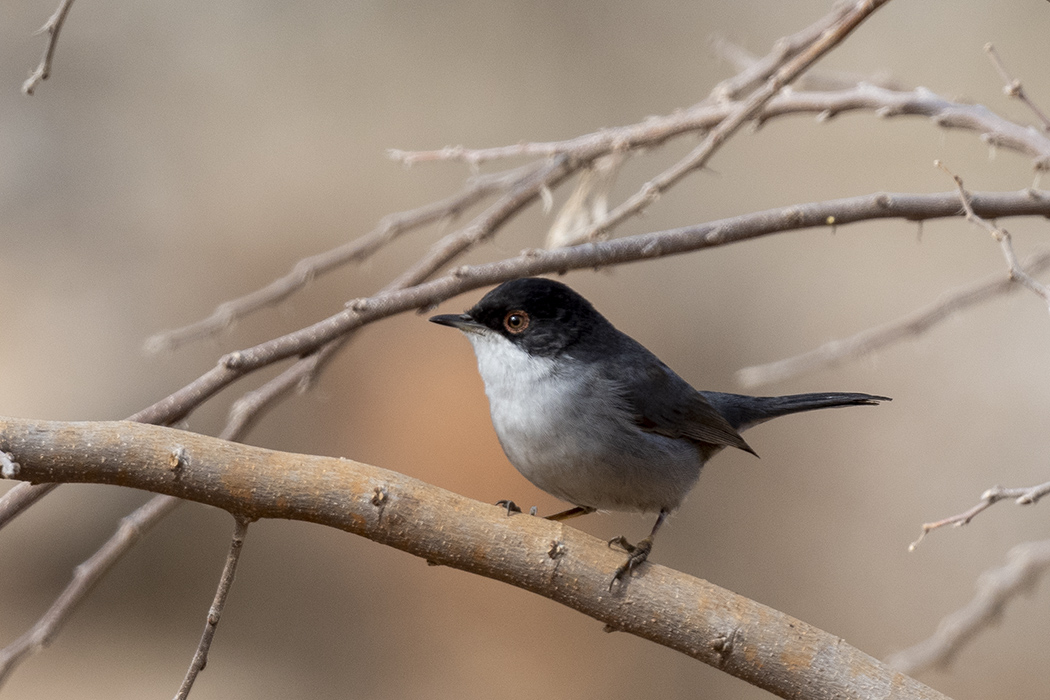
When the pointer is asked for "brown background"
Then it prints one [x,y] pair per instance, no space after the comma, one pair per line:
[185,153]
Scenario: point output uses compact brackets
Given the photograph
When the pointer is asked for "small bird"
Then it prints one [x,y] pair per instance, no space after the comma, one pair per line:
[589,415]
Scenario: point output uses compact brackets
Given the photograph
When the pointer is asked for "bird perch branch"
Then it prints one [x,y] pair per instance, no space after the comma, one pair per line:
[739,636]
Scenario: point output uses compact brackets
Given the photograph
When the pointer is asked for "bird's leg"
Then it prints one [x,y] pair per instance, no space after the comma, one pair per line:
[571,513]
[636,553]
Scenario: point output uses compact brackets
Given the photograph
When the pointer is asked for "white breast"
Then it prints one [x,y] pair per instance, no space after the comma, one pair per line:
[561,427]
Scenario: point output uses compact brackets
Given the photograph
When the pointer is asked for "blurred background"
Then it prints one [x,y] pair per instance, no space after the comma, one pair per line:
[186,153]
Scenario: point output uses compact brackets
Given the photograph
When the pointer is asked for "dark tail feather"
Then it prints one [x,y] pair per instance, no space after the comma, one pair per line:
[742,412]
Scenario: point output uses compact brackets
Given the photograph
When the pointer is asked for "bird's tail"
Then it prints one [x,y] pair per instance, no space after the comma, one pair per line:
[742,412]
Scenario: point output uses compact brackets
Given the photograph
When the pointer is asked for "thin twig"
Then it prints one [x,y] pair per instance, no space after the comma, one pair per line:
[1017,272]
[200,658]
[1013,87]
[912,325]
[132,527]
[307,269]
[452,246]
[823,81]
[1023,496]
[751,76]
[52,27]
[995,588]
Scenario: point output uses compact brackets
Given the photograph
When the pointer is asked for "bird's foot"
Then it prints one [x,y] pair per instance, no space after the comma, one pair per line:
[513,507]
[636,555]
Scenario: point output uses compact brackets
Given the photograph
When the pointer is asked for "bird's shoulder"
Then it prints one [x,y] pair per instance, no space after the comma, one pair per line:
[663,403]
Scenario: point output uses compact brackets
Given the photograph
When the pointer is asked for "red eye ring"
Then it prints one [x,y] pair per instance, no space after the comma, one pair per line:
[516,321]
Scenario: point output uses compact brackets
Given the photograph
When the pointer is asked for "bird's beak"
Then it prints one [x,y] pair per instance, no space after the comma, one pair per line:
[463,322]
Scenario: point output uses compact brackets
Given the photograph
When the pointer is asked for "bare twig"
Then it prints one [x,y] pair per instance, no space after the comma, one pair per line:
[598,254]
[1017,272]
[738,636]
[389,228]
[912,325]
[1013,87]
[995,588]
[1023,496]
[526,191]
[52,27]
[993,129]
[757,71]
[85,577]
[200,658]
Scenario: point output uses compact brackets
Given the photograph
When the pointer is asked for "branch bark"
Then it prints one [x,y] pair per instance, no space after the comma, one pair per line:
[739,636]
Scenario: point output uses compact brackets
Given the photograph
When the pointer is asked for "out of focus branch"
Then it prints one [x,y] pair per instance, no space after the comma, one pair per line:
[739,636]
[357,250]
[1026,563]
[52,27]
[85,577]
[912,325]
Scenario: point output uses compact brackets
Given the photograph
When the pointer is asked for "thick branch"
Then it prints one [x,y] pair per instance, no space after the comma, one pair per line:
[739,636]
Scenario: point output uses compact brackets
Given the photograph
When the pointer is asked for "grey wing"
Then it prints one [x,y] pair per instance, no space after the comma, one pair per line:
[665,404]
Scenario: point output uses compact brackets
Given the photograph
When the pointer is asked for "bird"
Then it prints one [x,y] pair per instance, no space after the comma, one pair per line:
[591,416]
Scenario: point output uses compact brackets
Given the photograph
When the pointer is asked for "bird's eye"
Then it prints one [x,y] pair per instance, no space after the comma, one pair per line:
[516,321]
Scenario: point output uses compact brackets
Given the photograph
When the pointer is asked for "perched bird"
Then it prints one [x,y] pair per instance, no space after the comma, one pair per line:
[588,414]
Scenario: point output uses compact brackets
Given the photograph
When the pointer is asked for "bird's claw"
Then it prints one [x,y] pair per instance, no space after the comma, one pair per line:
[636,555]
[511,506]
